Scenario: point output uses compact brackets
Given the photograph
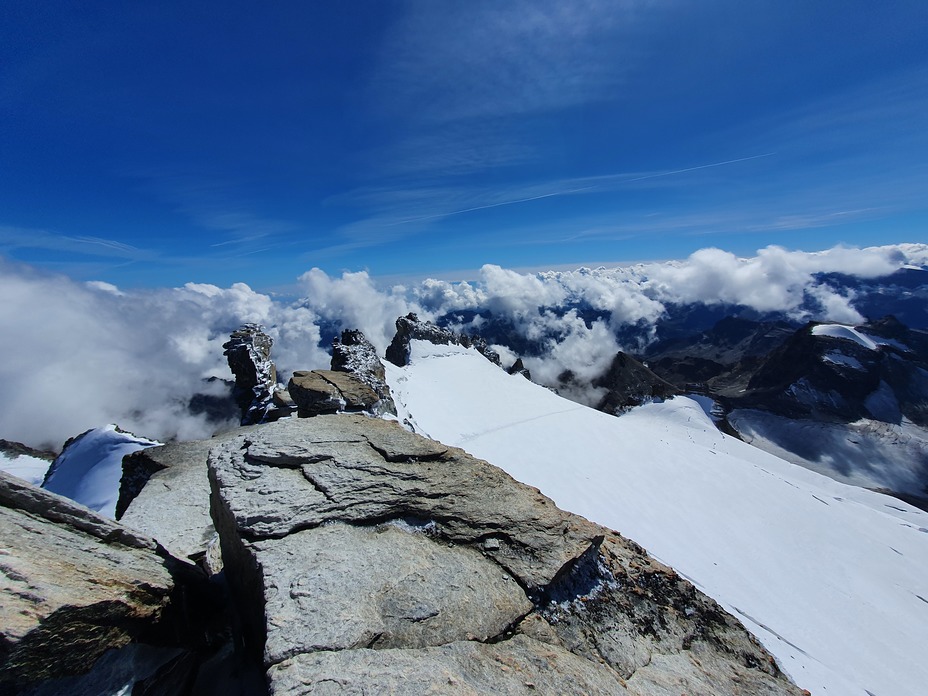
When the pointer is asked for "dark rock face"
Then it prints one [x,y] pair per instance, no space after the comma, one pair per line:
[16,449]
[411,327]
[249,353]
[519,368]
[629,383]
[354,354]
[723,358]
[76,586]
[325,391]
[838,378]
[385,562]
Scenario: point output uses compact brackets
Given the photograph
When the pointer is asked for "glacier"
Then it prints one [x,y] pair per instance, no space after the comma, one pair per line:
[832,579]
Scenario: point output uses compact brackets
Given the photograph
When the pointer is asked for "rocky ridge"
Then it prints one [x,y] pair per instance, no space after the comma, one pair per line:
[352,353]
[249,353]
[410,328]
[361,557]
[369,552]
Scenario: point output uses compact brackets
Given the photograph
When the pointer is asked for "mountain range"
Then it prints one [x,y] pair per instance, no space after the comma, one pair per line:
[772,464]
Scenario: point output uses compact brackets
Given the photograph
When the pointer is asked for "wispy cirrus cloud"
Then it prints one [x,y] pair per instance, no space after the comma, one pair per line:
[456,81]
[403,210]
[216,206]
[453,61]
[14,238]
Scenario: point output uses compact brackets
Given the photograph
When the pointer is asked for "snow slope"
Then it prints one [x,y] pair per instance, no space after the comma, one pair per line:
[32,469]
[89,468]
[832,579]
[868,453]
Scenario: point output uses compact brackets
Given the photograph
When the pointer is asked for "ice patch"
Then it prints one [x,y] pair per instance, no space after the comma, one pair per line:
[850,333]
[31,469]
[90,467]
[843,360]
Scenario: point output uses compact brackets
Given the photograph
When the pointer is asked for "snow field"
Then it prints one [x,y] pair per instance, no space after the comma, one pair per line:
[32,469]
[89,469]
[832,579]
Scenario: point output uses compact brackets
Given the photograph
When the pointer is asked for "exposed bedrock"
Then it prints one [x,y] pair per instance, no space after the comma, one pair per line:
[368,559]
[75,586]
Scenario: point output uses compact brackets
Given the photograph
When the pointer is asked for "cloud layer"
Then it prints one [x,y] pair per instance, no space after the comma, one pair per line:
[80,355]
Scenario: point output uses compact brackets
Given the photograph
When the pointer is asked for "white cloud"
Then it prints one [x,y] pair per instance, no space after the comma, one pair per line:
[353,302]
[80,355]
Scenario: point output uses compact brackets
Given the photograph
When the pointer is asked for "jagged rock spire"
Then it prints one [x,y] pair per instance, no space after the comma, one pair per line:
[249,353]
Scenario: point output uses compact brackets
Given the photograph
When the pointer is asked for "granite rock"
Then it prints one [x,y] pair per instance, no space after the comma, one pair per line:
[370,559]
[319,392]
[73,585]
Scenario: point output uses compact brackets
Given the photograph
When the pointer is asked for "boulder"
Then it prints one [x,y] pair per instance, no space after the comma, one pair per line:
[353,353]
[326,391]
[371,560]
[164,493]
[73,585]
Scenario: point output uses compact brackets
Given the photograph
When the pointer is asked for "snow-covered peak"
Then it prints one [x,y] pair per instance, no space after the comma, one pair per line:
[832,579]
[850,333]
[89,468]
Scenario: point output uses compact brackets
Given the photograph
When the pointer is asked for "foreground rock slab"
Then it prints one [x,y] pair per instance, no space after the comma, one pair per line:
[372,560]
[517,666]
[164,493]
[73,585]
[342,586]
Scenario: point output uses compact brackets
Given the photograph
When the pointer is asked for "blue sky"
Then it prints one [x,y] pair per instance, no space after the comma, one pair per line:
[150,144]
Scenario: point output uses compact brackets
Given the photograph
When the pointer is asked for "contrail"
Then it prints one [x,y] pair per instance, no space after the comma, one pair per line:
[493,205]
[577,190]
[701,166]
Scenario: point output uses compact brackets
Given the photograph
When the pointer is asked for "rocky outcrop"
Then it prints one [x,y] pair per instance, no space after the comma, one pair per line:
[628,383]
[249,353]
[75,585]
[317,392]
[354,354]
[373,560]
[519,368]
[411,327]
[18,449]
[835,373]
[164,493]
